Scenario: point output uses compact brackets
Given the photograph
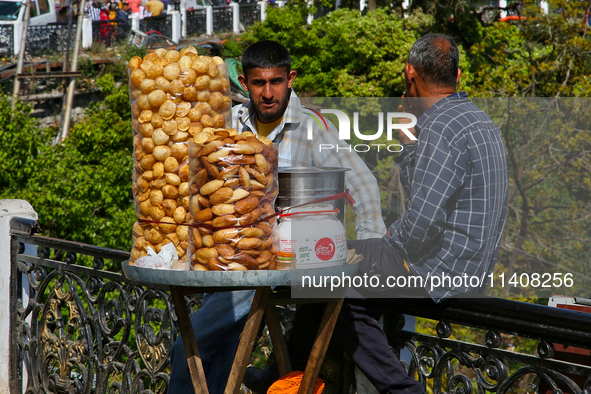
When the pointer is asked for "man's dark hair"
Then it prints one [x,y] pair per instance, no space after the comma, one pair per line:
[265,54]
[436,58]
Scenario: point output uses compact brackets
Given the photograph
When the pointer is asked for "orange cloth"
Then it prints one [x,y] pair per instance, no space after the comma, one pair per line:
[290,384]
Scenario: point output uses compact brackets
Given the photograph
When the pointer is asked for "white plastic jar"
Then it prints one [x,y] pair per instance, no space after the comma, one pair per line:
[311,237]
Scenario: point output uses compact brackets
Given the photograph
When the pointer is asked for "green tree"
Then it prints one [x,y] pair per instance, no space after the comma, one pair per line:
[82,188]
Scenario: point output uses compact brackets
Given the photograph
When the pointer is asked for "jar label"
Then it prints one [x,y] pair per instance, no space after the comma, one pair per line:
[324,249]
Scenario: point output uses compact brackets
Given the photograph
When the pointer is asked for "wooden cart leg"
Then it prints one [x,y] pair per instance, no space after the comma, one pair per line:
[278,341]
[247,340]
[189,341]
[329,320]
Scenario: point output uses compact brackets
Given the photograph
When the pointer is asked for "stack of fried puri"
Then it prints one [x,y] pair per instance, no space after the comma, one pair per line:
[174,96]
[232,185]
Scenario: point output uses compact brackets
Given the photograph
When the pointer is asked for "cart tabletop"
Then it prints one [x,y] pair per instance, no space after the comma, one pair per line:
[229,279]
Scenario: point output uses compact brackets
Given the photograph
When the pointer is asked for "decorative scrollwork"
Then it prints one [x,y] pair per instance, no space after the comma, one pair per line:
[493,339]
[81,334]
[545,349]
[553,380]
[153,329]
[443,329]
[98,263]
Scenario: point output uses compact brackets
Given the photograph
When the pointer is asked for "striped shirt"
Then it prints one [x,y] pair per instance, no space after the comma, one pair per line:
[95,14]
[456,177]
[295,149]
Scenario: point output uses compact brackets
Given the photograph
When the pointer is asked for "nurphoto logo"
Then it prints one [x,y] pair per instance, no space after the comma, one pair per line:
[344,129]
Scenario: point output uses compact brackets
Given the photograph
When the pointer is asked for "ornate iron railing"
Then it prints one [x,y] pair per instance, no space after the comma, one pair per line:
[78,328]
[196,22]
[222,19]
[249,14]
[162,24]
[85,329]
[109,33]
[6,40]
[49,38]
[494,365]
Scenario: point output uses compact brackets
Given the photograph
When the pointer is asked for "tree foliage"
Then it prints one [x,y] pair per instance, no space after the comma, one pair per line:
[81,188]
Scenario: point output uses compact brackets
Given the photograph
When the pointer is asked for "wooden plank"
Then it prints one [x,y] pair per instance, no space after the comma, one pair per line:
[56,74]
[189,341]
[278,341]
[247,340]
[329,320]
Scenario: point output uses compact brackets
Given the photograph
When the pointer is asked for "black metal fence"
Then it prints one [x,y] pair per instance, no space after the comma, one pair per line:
[85,329]
[6,40]
[222,19]
[110,33]
[162,24]
[249,14]
[44,39]
[196,22]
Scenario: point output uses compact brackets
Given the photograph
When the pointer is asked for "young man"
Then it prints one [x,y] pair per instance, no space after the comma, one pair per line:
[275,112]
[456,177]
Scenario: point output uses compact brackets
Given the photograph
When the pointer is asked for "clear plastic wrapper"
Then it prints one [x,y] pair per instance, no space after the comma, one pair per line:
[232,187]
[173,96]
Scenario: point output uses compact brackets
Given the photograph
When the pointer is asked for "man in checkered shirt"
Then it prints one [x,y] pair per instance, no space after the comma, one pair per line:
[454,169]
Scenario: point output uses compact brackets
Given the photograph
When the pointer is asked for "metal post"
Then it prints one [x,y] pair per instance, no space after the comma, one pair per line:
[68,108]
[183,23]
[86,32]
[208,20]
[235,18]
[176,26]
[263,5]
[9,209]
[503,4]
[21,56]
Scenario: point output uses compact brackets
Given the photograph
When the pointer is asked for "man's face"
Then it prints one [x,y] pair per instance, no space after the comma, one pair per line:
[269,90]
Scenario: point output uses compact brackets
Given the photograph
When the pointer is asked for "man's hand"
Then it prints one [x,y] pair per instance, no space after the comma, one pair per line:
[403,137]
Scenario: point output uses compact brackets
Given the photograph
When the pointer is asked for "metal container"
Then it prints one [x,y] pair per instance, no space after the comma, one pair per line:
[298,185]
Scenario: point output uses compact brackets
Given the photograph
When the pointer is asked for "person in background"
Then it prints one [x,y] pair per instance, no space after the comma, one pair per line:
[104,12]
[94,11]
[134,6]
[113,7]
[154,7]
[274,111]
[121,15]
[125,10]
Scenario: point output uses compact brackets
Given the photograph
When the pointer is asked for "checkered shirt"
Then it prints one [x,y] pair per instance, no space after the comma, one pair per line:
[295,149]
[456,175]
